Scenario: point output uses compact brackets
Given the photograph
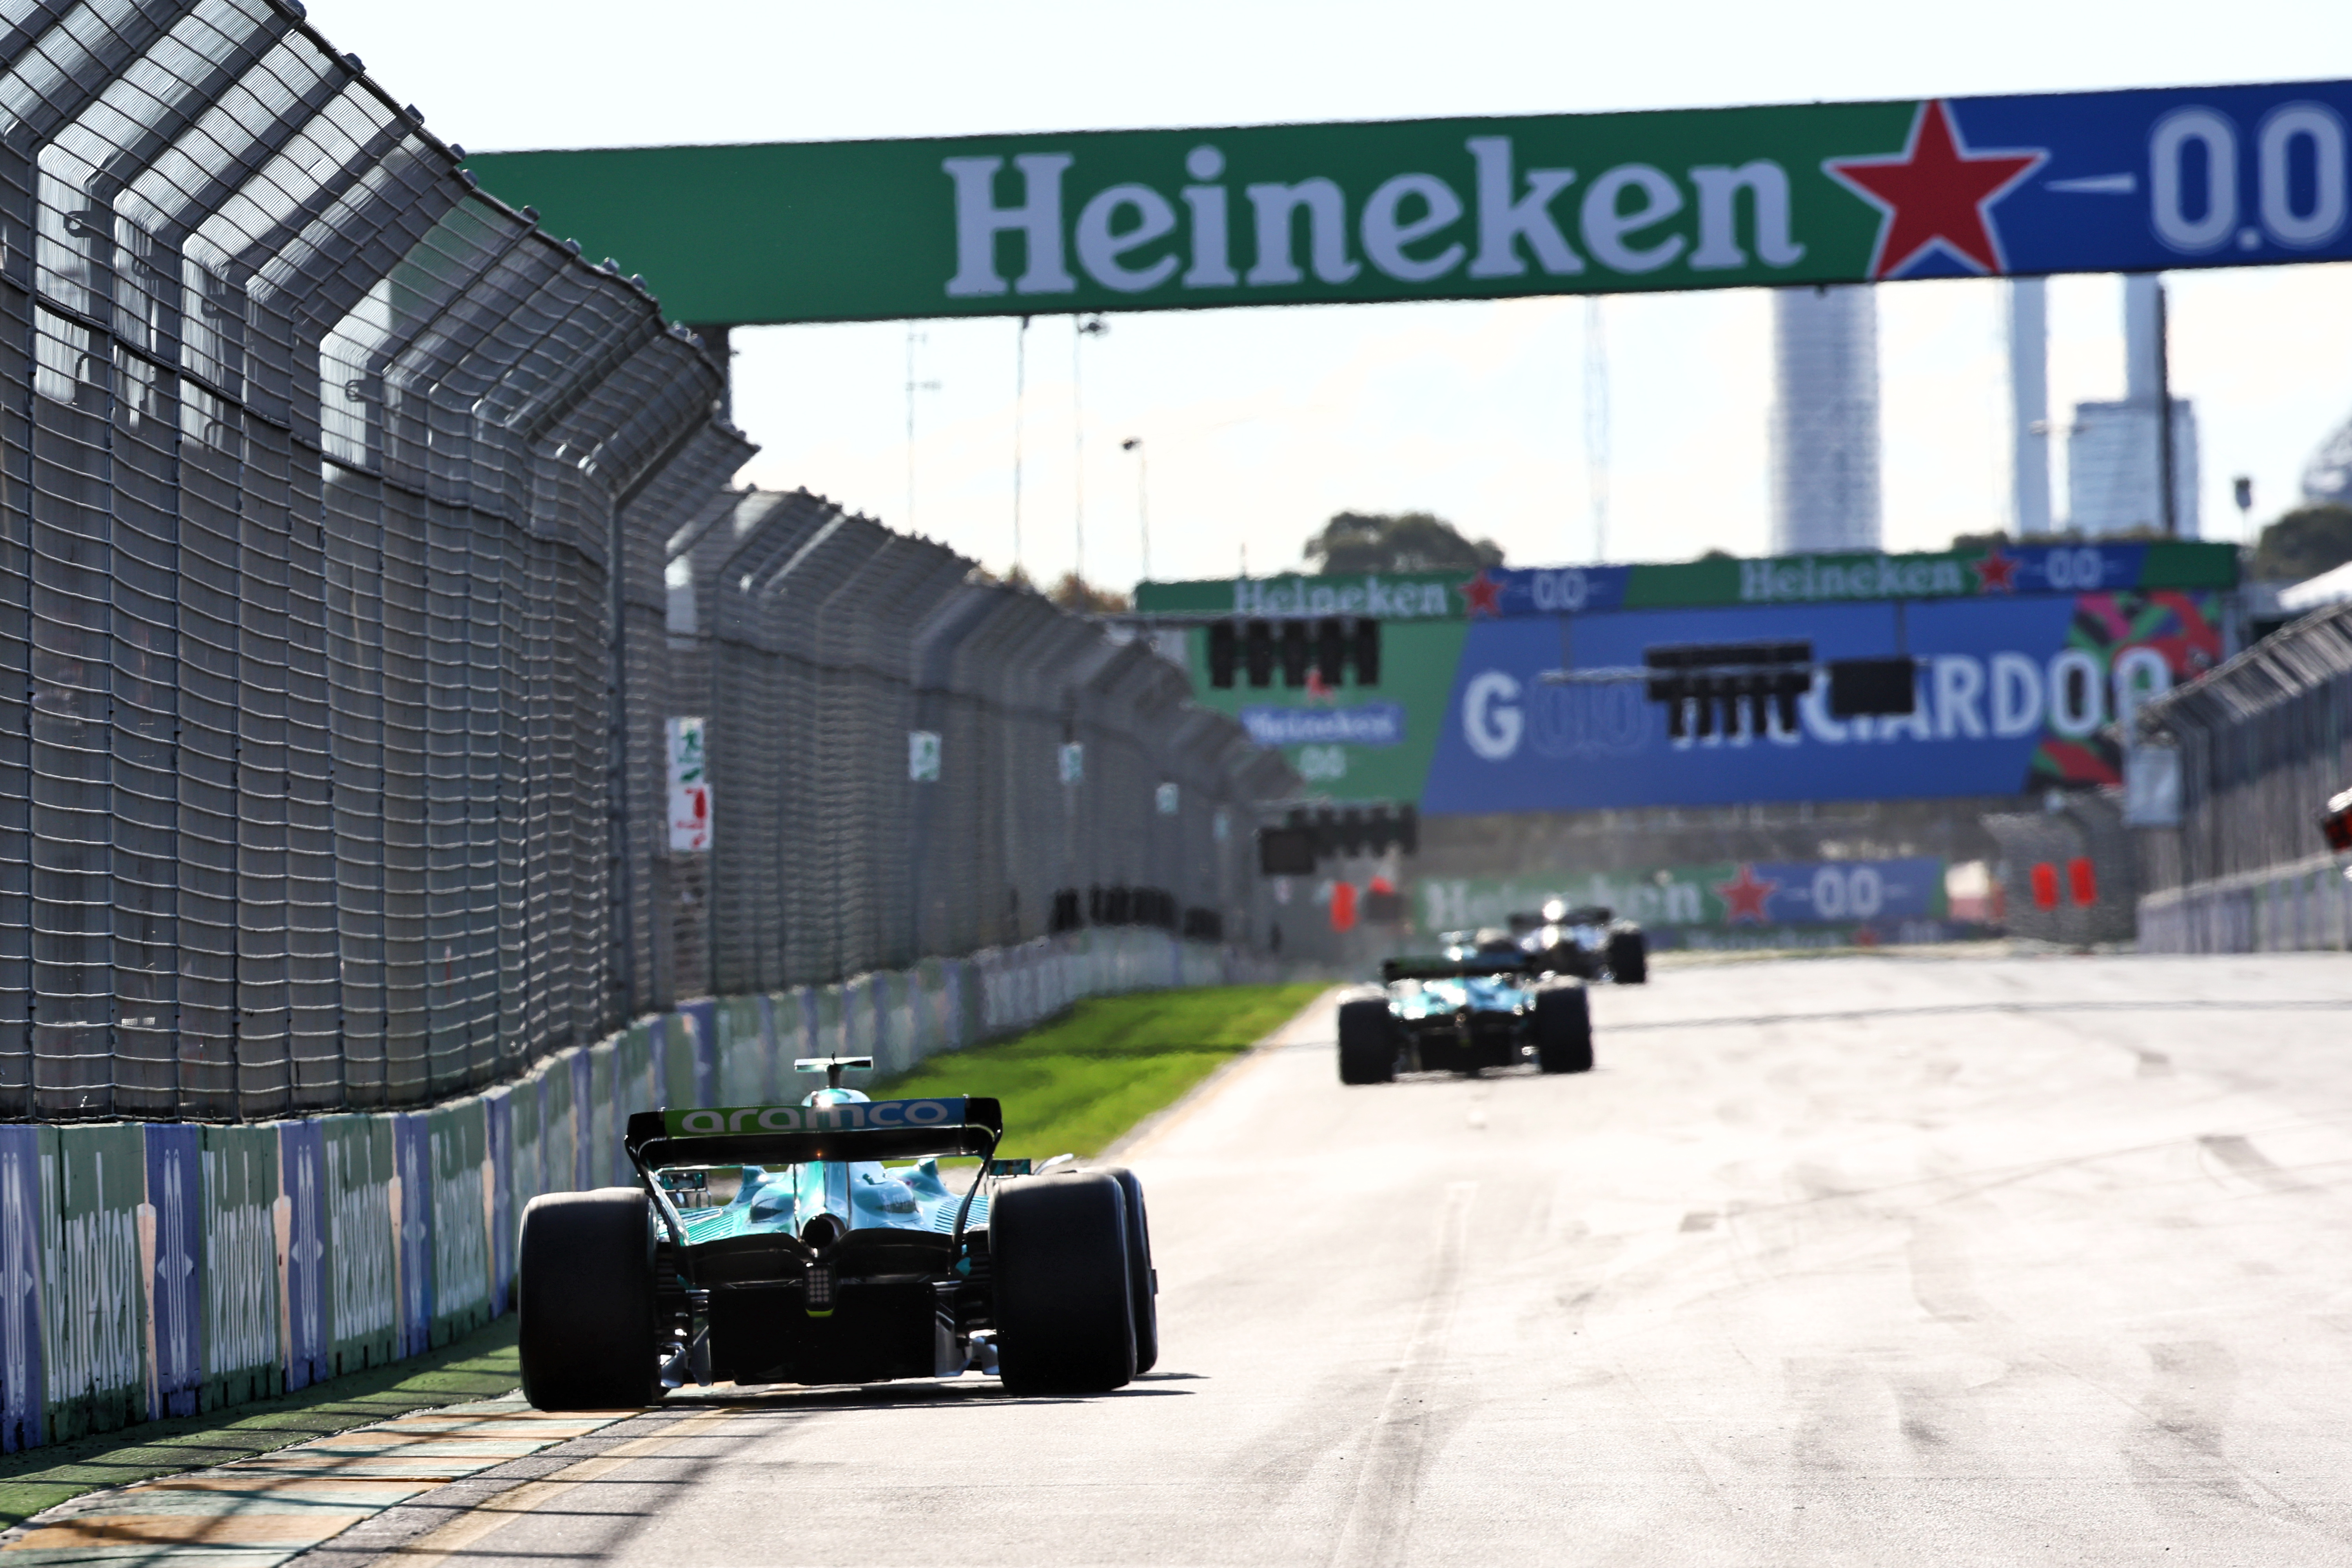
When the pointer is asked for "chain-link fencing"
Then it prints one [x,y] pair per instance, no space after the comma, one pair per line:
[2262,742]
[335,650]
[906,758]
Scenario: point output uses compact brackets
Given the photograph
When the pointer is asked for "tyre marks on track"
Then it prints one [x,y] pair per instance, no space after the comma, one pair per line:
[260,1511]
[456,1539]
[1380,1515]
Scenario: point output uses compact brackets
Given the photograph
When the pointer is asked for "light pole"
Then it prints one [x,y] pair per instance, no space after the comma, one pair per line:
[1081,329]
[1142,497]
[1596,424]
[1020,393]
[913,386]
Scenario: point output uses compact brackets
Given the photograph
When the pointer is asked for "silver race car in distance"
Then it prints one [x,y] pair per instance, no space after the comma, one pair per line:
[1489,1004]
[1585,940]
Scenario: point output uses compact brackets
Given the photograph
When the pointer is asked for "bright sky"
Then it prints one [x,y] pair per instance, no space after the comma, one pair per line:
[1258,424]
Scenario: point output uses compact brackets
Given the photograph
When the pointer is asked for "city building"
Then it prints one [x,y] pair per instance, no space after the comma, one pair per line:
[2114,455]
[1824,421]
[2028,403]
[2328,478]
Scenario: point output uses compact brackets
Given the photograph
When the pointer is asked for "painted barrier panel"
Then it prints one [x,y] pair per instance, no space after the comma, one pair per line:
[903,988]
[301,1214]
[25,1153]
[858,1017]
[583,1117]
[499,1173]
[747,1045]
[172,1244]
[881,1043]
[411,1219]
[636,1085]
[559,1131]
[462,1187]
[597,1120]
[92,1286]
[243,1356]
[827,1039]
[810,1022]
[700,1085]
[363,1276]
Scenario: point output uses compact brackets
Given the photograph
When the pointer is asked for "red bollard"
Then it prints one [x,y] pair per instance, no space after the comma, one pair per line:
[2045,885]
[2082,880]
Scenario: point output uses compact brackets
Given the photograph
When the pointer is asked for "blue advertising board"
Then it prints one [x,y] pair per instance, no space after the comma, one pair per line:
[2013,693]
[301,1162]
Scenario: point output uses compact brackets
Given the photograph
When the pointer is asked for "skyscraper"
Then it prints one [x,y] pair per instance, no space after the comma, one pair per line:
[1825,420]
[2029,405]
[2114,455]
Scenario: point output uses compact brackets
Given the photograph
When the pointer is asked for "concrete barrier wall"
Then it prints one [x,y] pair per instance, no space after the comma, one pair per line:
[164,1268]
[2303,906]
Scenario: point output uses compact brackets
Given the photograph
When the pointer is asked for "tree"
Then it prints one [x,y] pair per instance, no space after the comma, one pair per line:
[1074,593]
[2303,543]
[1964,543]
[1400,541]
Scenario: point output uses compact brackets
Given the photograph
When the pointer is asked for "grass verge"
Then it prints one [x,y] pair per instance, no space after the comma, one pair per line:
[482,1365]
[1077,1084]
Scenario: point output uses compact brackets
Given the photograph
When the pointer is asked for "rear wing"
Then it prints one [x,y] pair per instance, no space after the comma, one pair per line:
[1581,915]
[1439,968]
[789,1134]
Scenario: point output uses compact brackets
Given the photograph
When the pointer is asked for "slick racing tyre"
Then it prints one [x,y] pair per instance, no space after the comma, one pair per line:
[1563,1029]
[586,1280]
[1143,1281]
[1064,1283]
[1367,1042]
[1629,957]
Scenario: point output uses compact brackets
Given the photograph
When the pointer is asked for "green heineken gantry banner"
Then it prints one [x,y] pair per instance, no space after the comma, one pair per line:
[2109,181]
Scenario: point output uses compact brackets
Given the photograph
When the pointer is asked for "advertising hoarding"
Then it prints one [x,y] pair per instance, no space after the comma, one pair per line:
[2025,657]
[1723,895]
[1465,209]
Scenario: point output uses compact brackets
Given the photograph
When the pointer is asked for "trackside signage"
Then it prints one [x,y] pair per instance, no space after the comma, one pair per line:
[1505,593]
[2107,182]
[862,1116]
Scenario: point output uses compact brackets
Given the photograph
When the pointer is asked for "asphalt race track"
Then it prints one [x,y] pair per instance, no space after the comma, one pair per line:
[1860,1260]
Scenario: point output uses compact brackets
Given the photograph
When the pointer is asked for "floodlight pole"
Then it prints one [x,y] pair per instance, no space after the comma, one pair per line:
[1020,391]
[1142,499]
[1081,329]
[2170,510]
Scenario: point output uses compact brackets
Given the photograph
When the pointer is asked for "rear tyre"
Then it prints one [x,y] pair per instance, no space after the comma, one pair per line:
[1563,1030]
[1629,957]
[1065,1285]
[585,1277]
[1143,1281]
[1367,1043]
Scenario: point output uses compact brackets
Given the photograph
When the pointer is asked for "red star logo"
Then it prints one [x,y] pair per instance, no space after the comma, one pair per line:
[1745,896]
[1935,192]
[1483,595]
[1996,573]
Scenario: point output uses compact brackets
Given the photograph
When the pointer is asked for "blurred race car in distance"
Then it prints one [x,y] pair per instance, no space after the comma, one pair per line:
[1586,939]
[1479,1005]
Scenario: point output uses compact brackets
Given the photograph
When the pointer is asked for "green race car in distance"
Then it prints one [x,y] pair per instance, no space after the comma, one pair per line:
[1487,1004]
[821,1243]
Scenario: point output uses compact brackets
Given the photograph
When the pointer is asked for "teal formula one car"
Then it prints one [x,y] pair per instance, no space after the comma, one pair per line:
[1476,1006]
[823,1243]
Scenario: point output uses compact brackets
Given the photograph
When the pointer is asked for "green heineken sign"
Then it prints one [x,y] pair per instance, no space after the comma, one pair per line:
[1461,208]
[1509,593]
